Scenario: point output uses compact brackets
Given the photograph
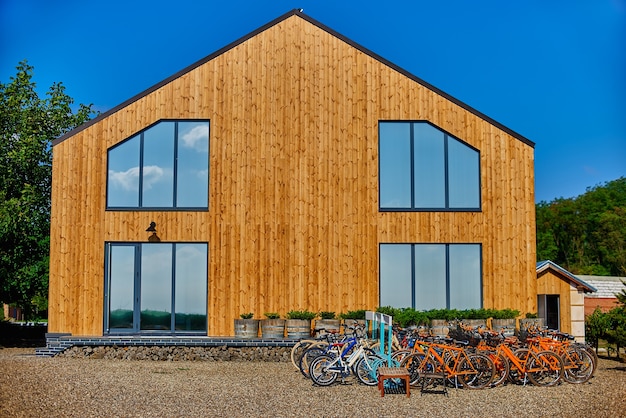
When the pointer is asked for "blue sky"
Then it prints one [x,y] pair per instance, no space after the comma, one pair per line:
[553,71]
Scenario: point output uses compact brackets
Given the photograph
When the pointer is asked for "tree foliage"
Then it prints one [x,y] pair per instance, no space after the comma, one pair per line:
[586,234]
[28,124]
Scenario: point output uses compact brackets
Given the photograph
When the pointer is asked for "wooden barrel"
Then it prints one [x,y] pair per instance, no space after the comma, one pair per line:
[506,326]
[475,322]
[526,323]
[298,328]
[246,328]
[439,328]
[273,328]
[323,326]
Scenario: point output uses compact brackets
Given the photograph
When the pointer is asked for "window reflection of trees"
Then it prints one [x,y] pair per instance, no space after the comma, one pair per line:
[431,276]
[171,281]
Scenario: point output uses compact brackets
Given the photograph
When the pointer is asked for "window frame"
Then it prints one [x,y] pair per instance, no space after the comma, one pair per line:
[137,292]
[140,136]
[446,155]
[413,282]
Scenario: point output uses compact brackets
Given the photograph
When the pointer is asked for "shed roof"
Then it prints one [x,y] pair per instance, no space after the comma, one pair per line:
[607,286]
[299,13]
[546,265]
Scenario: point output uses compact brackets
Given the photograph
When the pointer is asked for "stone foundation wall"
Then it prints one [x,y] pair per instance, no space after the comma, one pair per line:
[178,353]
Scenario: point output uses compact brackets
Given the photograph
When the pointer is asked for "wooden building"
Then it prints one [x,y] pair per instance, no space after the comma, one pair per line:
[561,299]
[292,169]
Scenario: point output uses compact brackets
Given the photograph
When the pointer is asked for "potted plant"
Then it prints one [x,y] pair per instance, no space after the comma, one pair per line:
[273,326]
[531,319]
[298,323]
[328,323]
[247,326]
[409,317]
[352,317]
[475,317]
[438,319]
[504,320]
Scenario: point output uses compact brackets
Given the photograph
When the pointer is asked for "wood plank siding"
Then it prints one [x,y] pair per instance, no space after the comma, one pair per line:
[293,219]
[551,283]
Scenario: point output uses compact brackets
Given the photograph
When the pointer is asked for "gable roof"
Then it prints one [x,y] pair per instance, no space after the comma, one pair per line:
[299,13]
[547,265]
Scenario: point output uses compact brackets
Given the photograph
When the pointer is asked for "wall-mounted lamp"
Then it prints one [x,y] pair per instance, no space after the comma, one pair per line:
[154,237]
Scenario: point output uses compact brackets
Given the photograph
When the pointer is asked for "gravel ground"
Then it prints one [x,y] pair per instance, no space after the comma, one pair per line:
[68,387]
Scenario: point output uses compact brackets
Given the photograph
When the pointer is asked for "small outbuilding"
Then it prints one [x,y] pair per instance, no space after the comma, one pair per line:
[561,299]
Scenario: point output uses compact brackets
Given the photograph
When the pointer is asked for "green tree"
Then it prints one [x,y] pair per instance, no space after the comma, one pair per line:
[616,332]
[586,234]
[616,322]
[596,326]
[28,124]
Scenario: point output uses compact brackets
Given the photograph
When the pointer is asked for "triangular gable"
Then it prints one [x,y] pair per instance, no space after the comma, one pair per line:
[295,12]
[549,266]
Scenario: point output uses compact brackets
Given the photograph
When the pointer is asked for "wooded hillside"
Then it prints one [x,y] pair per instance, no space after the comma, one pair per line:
[586,234]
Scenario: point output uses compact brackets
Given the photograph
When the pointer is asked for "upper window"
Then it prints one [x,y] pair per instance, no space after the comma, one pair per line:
[164,166]
[424,168]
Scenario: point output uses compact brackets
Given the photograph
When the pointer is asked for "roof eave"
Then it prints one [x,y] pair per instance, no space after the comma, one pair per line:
[549,265]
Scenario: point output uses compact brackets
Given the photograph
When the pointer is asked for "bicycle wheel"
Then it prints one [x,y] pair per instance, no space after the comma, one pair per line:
[418,364]
[308,356]
[298,349]
[366,369]
[592,352]
[400,355]
[320,370]
[501,367]
[475,371]
[577,365]
[517,376]
[545,369]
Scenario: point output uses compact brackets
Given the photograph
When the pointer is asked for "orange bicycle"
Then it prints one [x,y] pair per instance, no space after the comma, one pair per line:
[473,370]
[519,365]
[578,365]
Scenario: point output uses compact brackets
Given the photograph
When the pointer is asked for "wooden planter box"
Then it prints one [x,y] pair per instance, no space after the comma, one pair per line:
[273,328]
[246,328]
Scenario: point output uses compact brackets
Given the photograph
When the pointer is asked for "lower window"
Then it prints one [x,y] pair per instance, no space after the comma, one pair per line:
[158,287]
[431,276]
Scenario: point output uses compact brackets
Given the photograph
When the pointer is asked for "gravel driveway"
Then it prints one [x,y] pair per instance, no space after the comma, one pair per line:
[69,387]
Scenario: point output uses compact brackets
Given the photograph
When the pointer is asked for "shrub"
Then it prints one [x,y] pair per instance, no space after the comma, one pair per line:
[306,315]
[596,325]
[409,316]
[356,314]
[248,315]
[446,314]
[327,315]
[272,315]
[505,314]
[616,330]
[388,310]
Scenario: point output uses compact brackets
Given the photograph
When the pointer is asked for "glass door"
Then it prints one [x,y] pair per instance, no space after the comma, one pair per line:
[156,287]
[121,288]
